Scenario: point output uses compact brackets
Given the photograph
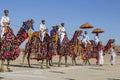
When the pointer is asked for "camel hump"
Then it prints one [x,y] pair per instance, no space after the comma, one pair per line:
[35,34]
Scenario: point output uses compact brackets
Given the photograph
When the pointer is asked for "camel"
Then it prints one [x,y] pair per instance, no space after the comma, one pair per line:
[10,45]
[63,50]
[37,50]
[75,46]
[92,51]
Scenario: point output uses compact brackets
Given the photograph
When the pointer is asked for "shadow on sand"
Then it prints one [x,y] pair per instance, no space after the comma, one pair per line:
[112,79]
[58,72]
[1,78]
[20,66]
[96,68]
[69,79]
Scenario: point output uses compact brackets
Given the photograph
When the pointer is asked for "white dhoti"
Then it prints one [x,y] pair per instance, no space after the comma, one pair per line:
[42,36]
[84,42]
[62,37]
[42,30]
[61,32]
[112,59]
[96,39]
[1,31]
[101,58]
[96,42]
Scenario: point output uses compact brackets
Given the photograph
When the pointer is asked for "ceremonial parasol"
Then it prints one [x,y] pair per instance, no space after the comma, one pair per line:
[98,30]
[86,26]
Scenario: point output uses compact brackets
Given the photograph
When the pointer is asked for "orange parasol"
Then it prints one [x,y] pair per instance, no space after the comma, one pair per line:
[98,30]
[86,26]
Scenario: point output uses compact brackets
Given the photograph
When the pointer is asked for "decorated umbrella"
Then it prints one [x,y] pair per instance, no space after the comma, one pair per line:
[86,26]
[97,30]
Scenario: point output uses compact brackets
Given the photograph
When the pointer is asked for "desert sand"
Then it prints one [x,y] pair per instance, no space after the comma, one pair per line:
[78,72]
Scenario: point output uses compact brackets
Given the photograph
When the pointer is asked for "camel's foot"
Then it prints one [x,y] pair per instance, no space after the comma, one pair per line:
[42,67]
[73,64]
[66,65]
[51,64]
[97,63]
[9,70]
[47,67]
[78,58]
[59,65]
[101,65]
[83,63]
[89,64]
[22,65]
[30,66]
[1,70]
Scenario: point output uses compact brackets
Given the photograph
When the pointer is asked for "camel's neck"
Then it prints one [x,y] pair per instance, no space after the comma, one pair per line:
[21,36]
[108,46]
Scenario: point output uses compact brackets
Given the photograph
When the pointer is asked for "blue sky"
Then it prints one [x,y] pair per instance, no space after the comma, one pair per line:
[104,14]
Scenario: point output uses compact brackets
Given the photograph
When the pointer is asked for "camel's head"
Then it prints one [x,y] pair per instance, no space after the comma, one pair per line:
[78,33]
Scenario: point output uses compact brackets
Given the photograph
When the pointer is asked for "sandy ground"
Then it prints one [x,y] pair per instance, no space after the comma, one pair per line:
[79,72]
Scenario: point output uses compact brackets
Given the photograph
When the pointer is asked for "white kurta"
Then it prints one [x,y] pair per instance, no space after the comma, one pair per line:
[42,29]
[113,55]
[96,39]
[61,33]
[85,40]
[101,57]
[2,21]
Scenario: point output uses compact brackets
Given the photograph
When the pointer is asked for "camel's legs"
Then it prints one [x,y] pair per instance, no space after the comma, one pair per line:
[47,60]
[59,63]
[74,60]
[66,57]
[87,60]
[8,66]
[2,66]
[24,55]
[79,53]
[50,62]
[42,64]
[28,59]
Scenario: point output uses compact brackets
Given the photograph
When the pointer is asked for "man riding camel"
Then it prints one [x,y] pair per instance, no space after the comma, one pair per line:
[96,39]
[85,39]
[42,29]
[52,31]
[5,21]
[62,32]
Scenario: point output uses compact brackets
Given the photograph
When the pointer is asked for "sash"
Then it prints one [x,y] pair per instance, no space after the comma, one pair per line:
[30,34]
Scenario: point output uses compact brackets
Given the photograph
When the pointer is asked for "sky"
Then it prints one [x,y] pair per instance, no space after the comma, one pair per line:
[104,14]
